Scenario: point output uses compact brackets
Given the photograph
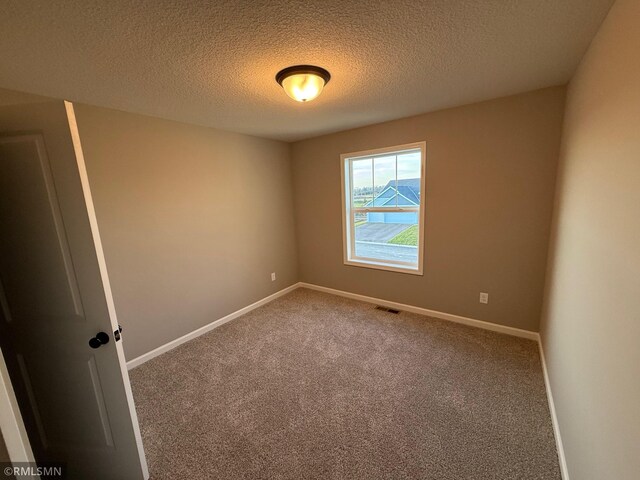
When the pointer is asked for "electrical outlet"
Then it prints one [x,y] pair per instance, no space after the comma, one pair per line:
[273,277]
[484,297]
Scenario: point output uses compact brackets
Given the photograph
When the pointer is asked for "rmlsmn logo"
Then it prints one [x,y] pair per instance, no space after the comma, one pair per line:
[19,469]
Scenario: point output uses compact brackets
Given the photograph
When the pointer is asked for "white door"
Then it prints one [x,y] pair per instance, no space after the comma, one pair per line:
[58,329]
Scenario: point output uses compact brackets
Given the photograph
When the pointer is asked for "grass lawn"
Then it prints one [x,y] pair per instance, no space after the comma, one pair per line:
[406,237]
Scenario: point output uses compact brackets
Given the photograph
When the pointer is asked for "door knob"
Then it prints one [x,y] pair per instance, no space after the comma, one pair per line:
[100,339]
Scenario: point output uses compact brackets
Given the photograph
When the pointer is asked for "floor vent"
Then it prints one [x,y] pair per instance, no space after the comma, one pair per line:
[385,309]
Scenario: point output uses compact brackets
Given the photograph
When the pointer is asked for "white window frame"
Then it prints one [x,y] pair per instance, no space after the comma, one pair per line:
[349,211]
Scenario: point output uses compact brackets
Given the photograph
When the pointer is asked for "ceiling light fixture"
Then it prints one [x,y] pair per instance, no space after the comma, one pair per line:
[303,82]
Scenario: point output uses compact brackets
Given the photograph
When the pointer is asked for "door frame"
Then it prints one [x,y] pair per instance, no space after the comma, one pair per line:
[13,430]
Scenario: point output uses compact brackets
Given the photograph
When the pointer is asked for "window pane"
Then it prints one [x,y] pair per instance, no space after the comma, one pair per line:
[384,174]
[388,236]
[409,179]
[362,182]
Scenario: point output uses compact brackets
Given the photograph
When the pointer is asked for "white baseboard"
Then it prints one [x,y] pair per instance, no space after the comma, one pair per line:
[378,301]
[564,471]
[472,322]
[517,332]
[207,328]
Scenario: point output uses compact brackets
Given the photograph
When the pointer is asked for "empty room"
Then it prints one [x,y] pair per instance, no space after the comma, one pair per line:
[320,240]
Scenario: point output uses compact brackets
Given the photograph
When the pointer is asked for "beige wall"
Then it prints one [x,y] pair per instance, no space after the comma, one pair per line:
[193,220]
[490,178]
[11,97]
[591,326]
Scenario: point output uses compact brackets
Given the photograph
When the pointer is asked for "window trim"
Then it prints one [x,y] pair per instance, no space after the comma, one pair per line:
[348,214]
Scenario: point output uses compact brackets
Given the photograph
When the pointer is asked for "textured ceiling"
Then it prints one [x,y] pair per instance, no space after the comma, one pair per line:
[213,62]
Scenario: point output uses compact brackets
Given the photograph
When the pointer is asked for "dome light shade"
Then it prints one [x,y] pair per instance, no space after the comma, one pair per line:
[303,82]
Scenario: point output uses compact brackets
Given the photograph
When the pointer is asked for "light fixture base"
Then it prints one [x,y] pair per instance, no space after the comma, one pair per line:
[301,70]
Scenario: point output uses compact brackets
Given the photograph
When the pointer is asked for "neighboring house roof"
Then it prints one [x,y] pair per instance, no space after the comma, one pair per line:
[407,192]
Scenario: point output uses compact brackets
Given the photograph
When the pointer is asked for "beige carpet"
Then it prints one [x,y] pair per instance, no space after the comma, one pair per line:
[317,386]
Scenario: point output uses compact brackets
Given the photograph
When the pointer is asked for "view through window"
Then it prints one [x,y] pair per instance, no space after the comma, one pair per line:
[383,208]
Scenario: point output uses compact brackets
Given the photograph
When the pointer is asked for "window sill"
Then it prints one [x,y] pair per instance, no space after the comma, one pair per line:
[384,266]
